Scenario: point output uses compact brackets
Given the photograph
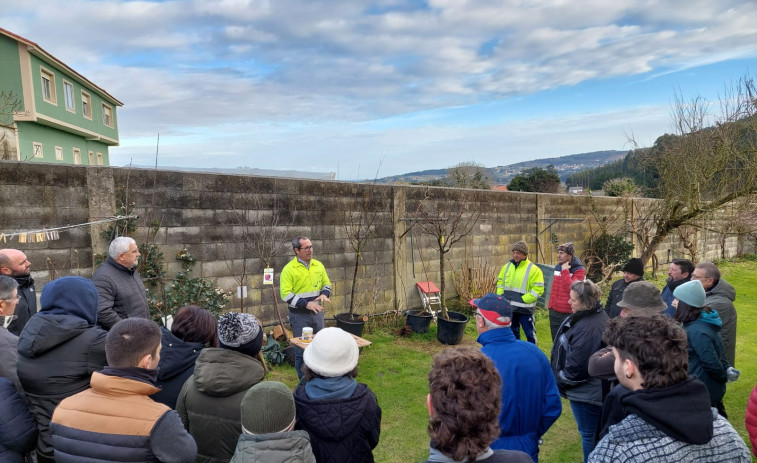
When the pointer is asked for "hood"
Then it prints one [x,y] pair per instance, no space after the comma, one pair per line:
[46,331]
[722,290]
[221,372]
[289,447]
[681,411]
[75,296]
[331,420]
[176,356]
[711,318]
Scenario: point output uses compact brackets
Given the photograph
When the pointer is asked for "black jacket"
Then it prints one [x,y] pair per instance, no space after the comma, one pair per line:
[121,294]
[27,304]
[343,430]
[18,432]
[579,336]
[615,296]
[177,362]
[59,350]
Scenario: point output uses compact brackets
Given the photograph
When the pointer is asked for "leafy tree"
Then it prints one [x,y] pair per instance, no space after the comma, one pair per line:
[469,175]
[618,187]
[536,180]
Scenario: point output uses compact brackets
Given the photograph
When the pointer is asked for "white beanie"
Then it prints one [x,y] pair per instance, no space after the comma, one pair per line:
[333,352]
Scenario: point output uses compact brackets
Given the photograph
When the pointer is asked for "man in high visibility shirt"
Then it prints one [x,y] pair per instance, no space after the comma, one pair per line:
[521,282]
[304,287]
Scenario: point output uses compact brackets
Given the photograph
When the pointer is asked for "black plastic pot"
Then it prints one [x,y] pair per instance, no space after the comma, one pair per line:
[352,324]
[418,320]
[450,331]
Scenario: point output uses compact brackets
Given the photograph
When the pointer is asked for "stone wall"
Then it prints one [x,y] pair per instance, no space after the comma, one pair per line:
[219,218]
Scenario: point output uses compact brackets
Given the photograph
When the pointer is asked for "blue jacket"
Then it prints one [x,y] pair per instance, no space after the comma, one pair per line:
[18,430]
[530,399]
[667,295]
[707,354]
[177,363]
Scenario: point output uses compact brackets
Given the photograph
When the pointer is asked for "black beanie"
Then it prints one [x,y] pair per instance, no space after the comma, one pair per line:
[241,332]
[635,266]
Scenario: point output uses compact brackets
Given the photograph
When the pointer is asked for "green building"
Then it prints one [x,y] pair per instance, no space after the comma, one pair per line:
[48,111]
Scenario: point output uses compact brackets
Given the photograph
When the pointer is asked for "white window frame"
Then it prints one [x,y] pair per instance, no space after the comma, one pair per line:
[58,153]
[66,94]
[107,111]
[47,75]
[100,159]
[37,150]
[91,157]
[77,156]
[86,101]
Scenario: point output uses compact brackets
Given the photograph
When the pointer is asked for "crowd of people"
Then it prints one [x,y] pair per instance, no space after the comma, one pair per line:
[88,376]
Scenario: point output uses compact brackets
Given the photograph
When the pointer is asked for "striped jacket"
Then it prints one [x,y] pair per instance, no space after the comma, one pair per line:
[521,283]
[300,284]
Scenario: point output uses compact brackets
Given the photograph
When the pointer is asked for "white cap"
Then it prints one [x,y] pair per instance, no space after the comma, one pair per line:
[332,353]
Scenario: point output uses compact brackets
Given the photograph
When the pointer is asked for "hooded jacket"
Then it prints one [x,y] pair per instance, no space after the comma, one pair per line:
[530,400]
[279,447]
[177,362]
[26,306]
[579,336]
[721,297]
[210,401]
[121,293]
[558,298]
[706,354]
[670,425]
[59,349]
[18,432]
[343,430]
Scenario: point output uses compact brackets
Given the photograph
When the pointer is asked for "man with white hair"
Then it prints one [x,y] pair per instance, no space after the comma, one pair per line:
[119,286]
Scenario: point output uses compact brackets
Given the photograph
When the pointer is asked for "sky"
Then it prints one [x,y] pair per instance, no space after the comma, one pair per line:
[372,88]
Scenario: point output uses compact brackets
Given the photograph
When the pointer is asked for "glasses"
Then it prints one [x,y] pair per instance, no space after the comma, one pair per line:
[16,298]
[305,248]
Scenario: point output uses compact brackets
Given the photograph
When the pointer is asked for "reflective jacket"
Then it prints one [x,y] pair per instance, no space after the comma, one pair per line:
[521,283]
[300,284]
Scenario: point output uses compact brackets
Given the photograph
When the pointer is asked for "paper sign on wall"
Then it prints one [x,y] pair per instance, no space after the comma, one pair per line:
[268,276]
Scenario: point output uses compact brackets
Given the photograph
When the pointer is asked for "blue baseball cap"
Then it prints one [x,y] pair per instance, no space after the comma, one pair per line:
[494,308]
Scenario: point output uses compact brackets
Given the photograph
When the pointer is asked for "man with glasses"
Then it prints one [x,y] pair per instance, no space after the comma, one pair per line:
[9,298]
[304,286]
[14,264]
[720,297]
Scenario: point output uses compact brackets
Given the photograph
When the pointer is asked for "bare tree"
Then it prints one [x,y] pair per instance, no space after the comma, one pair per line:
[469,175]
[10,105]
[708,163]
[447,221]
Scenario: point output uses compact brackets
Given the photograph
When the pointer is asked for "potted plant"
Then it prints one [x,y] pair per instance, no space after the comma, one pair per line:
[447,222]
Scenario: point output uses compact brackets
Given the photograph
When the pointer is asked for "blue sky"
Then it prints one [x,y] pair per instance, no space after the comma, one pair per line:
[383,87]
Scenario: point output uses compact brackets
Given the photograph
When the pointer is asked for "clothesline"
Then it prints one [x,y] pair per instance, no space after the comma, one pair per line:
[53,233]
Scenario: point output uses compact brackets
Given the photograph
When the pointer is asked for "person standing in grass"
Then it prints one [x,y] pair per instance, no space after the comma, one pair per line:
[568,269]
[463,406]
[669,414]
[530,400]
[521,282]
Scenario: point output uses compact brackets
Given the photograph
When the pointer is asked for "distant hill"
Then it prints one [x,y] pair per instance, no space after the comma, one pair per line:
[565,165]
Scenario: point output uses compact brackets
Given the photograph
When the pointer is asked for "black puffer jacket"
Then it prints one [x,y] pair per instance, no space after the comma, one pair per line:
[59,350]
[177,362]
[27,304]
[579,336]
[18,432]
[343,430]
[121,294]
[209,402]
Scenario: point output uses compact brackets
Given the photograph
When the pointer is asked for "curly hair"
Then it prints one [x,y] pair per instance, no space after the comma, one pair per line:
[465,395]
[655,343]
[195,324]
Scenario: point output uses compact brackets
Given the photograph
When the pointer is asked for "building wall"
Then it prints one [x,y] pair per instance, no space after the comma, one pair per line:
[10,77]
[215,217]
[50,138]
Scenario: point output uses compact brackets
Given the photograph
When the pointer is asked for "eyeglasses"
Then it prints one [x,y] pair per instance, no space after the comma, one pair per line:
[305,248]
[17,298]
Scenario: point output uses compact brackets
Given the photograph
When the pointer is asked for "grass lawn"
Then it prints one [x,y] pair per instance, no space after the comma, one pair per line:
[396,369]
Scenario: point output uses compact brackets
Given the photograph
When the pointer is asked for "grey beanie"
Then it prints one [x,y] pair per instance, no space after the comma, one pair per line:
[521,247]
[267,407]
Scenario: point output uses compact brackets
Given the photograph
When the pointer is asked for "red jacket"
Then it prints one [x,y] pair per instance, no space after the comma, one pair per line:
[558,298]
[751,419]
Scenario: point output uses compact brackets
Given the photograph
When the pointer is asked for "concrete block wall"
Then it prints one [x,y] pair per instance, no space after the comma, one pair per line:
[215,217]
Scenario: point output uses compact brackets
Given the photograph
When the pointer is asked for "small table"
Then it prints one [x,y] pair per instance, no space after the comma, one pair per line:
[360,342]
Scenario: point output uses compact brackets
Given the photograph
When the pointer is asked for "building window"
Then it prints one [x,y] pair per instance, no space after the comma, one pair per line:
[68,93]
[91,158]
[107,115]
[99,159]
[58,153]
[48,86]
[37,148]
[86,105]
[77,156]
